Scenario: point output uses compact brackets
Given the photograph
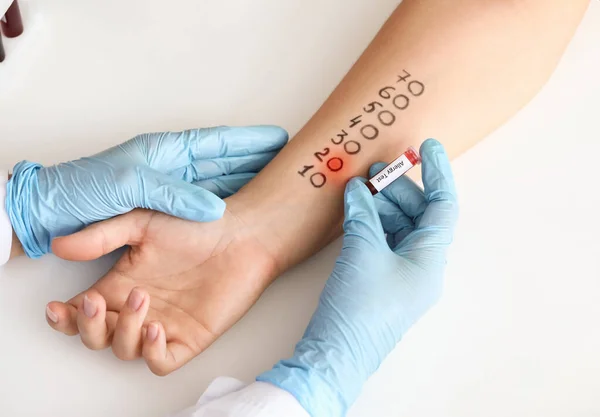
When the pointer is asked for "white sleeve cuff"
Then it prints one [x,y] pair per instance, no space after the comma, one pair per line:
[227,397]
[5,226]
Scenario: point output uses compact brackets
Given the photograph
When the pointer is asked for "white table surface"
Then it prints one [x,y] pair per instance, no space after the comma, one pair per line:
[517,332]
[4,5]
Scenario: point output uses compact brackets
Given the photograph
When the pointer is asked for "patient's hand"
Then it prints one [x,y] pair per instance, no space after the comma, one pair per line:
[175,290]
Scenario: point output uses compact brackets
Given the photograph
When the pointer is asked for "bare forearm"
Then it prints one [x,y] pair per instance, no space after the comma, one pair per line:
[472,65]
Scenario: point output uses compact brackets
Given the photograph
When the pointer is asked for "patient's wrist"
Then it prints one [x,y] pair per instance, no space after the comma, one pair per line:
[287,223]
[251,215]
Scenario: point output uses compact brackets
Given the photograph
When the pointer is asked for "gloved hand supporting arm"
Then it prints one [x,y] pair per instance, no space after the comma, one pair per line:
[183,174]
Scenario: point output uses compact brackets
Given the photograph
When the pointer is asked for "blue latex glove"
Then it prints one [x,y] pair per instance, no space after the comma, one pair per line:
[178,173]
[379,288]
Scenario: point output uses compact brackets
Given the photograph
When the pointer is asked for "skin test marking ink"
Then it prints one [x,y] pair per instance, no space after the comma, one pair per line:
[394,170]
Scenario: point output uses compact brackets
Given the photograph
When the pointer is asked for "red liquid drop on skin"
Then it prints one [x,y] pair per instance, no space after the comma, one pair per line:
[13,26]
[335,164]
[339,168]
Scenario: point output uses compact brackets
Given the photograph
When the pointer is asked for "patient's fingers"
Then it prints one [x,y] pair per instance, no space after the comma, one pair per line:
[62,317]
[161,357]
[154,350]
[92,321]
[127,338]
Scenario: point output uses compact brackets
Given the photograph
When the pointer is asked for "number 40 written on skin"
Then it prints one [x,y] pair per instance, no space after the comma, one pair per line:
[379,114]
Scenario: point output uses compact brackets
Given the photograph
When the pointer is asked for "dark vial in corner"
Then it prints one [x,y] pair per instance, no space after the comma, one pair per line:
[12,23]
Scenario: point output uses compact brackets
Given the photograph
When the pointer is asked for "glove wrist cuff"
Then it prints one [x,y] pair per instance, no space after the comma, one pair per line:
[321,387]
[18,207]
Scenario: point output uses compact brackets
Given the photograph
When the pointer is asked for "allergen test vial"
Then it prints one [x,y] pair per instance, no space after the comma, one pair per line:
[394,170]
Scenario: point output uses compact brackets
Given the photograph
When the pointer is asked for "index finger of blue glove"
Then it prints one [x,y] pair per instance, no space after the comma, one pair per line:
[202,169]
[225,141]
[164,193]
[170,152]
[225,185]
[440,191]
[361,219]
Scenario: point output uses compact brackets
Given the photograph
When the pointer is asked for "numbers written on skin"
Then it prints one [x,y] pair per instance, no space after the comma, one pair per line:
[391,101]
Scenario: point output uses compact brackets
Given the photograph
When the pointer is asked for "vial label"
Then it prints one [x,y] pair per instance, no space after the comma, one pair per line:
[391,173]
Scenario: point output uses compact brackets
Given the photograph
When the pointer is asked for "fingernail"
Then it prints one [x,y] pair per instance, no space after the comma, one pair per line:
[152,332]
[89,309]
[51,315]
[136,298]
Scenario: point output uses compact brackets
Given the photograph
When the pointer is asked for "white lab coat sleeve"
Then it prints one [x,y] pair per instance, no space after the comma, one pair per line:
[5,226]
[228,397]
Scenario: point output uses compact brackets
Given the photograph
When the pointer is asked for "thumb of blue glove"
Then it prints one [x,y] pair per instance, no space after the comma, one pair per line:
[362,225]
